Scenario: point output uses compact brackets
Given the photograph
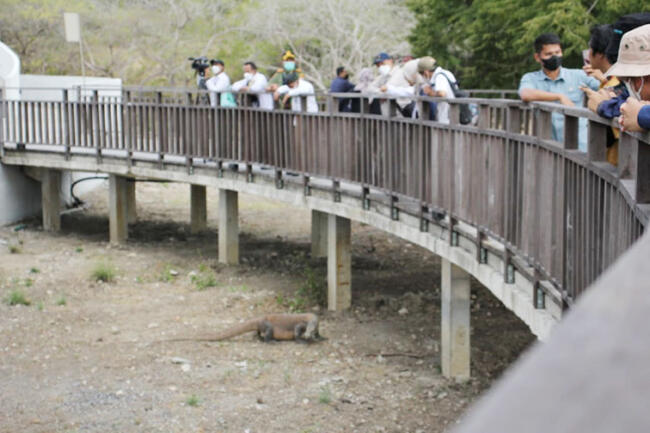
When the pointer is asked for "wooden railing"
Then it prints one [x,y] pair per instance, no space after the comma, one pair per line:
[563,215]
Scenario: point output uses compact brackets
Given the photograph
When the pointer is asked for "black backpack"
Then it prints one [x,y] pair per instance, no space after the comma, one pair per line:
[465,115]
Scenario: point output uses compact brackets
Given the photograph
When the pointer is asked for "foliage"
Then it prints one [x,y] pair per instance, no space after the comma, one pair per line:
[488,43]
[147,42]
[103,272]
[192,401]
[311,292]
[203,280]
[16,297]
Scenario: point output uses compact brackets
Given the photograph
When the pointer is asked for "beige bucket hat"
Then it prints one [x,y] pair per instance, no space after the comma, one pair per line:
[633,54]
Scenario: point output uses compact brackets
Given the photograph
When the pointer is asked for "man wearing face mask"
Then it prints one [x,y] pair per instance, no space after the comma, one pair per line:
[633,69]
[288,67]
[553,83]
[219,83]
[255,82]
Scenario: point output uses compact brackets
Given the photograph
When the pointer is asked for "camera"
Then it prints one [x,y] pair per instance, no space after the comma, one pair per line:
[200,64]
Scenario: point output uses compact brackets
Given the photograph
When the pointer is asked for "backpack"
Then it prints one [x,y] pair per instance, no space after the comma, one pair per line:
[465,115]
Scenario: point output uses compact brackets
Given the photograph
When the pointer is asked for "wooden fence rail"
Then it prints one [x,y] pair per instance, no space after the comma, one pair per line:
[564,215]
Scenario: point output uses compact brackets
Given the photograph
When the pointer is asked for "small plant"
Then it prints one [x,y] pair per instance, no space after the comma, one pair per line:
[203,268]
[204,280]
[311,292]
[79,250]
[34,270]
[16,297]
[239,289]
[14,249]
[61,301]
[39,306]
[167,275]
[192,401]
[325,396]
[103,272]
[28,282]
[139,279]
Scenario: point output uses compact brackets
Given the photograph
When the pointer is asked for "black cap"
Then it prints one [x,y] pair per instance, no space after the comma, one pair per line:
[289,78]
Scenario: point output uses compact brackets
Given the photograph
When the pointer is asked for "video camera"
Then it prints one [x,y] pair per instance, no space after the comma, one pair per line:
[200,64]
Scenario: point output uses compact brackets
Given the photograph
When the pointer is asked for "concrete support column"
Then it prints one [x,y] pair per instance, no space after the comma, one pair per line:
[132,214]
[339,269]
[51,199]
[117,209]
[228,227]
[455,327]
[198,208]
[318,233]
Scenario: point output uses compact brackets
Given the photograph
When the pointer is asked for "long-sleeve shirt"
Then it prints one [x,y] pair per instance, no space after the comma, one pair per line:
[644,117]
[256,84]
[342,85]
[304,88]
[219,83]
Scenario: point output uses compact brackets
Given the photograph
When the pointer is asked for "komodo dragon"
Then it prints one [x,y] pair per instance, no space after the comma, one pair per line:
[299,327]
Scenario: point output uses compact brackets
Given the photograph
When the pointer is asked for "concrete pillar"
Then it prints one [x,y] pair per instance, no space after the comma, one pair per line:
[132,214]
[455,327]
[228,227]
[339,269]
[117,205]
[198,208]
[51,199]
[318,234]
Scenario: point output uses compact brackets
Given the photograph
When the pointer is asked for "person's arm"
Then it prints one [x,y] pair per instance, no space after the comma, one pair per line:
[258,84]
[528,92]
[635,115]
[400,92]
[238,85]
[644,117]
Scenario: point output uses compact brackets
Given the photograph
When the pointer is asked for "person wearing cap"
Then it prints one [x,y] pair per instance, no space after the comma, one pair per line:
[611,108]
[633,69]
[255,82]
[439,80]
[294,88]
[279,76]
[219,84]
[553,83]
[386,68]
[403,84]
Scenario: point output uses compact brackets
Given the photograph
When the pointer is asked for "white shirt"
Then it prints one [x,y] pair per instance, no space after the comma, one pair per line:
[257,84]
[218,83]
[440,83]
[303,88]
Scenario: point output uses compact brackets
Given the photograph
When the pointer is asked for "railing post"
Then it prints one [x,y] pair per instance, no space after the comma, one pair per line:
[94,123]
[543,127]
[513,122]
[161,129]
[571,132]
[634,163]
[2,123]
[484,116]
[597,141]
[454,113]
[126,126]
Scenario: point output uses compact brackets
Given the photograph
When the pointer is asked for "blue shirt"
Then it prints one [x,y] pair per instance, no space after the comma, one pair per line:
[567,83]
[342,85]
[644,117]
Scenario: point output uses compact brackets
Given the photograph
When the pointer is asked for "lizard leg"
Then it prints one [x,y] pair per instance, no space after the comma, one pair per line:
[265,331]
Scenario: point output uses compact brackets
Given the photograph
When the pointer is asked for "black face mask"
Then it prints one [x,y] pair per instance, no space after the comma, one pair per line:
[552,63]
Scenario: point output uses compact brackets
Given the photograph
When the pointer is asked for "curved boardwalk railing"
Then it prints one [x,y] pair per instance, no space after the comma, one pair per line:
[563,215]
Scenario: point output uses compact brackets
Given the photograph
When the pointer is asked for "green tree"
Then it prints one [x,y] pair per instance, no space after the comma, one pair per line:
[488,43]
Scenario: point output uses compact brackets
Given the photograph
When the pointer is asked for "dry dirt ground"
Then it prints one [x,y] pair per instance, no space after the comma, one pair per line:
[83,356]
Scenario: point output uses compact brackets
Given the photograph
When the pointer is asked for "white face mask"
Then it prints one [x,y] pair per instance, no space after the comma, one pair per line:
[247,76]
[630,88]
[384,69]
[216,69]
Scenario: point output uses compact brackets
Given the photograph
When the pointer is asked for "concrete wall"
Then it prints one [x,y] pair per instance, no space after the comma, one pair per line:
[20,195]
